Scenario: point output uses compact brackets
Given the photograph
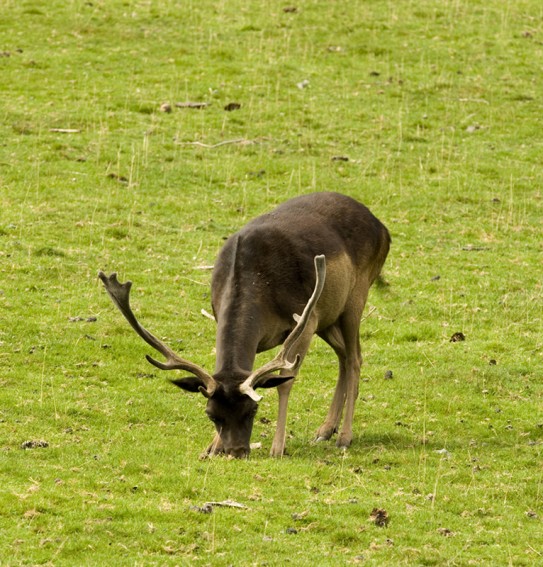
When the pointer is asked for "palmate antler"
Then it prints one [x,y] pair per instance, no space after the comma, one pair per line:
[120,294]
[281,360]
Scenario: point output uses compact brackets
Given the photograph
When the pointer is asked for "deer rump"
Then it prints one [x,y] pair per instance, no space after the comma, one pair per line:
[303,269]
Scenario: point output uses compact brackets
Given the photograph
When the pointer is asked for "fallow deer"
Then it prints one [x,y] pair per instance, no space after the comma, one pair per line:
[317,255]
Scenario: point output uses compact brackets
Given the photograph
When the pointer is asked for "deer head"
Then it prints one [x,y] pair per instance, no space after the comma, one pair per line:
[232,401]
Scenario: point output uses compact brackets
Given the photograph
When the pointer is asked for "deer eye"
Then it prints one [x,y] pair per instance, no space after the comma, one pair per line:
[216,420]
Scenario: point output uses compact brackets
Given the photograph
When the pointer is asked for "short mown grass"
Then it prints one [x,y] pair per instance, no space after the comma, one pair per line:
[428,112]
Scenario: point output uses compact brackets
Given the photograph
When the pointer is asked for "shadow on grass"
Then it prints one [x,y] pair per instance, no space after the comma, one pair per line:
[403,441]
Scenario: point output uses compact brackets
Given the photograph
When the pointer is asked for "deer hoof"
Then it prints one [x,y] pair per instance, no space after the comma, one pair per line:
[278,452]
[344,440]
[215,448]
[325,433]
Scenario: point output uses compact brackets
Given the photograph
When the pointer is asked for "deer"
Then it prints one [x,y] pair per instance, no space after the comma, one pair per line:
[301,270]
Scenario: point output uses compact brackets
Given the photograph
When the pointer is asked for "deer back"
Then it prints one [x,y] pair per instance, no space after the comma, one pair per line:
[264,273]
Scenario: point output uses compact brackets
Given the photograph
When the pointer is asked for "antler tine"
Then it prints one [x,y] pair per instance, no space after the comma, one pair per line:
[120,294]
[281,362]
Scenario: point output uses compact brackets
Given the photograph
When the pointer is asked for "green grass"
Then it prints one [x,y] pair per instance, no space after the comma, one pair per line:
[437,105]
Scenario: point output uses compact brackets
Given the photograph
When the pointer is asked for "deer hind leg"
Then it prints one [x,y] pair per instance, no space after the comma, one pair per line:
[353,362]
[278,445]
[352,378]
[343,337]
[334,337]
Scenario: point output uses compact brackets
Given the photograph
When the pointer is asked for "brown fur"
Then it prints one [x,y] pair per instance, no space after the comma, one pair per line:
[264,275]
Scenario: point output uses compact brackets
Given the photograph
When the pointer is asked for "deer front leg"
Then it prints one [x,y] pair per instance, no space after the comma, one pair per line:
[300,347]
[215,448]
[278,445]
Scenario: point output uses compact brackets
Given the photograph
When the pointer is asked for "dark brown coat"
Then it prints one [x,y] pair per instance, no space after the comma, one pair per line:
[264,275]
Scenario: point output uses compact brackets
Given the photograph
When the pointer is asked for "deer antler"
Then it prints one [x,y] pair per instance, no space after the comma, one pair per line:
[120,294]
[281,362]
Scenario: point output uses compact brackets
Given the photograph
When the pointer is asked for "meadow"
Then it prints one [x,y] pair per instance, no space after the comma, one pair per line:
[430,113]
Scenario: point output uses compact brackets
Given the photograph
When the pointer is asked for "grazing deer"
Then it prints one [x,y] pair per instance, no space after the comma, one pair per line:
[317,255]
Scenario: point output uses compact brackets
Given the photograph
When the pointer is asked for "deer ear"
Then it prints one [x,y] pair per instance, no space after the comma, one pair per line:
[273,381]
[189,384]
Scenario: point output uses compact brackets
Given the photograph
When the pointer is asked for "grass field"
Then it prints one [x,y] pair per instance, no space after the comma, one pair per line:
[429,112]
